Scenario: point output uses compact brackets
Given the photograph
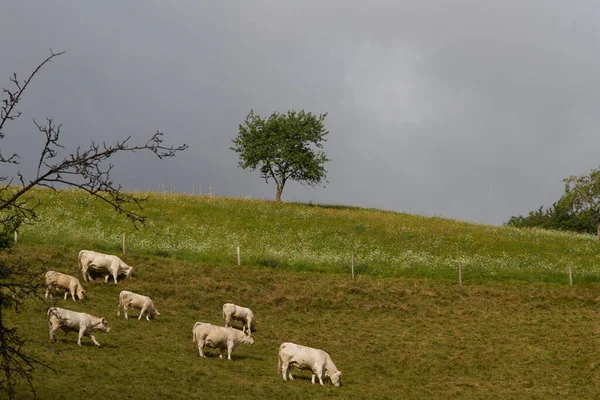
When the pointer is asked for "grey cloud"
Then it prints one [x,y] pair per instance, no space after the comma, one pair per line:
[464,109]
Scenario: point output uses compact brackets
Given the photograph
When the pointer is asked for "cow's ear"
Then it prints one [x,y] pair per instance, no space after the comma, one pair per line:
[104,321]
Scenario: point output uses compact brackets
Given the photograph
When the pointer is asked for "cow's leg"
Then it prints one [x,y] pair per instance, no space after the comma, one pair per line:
[285,371]
[313,378]
[106,278]
[66,294]
[228,321]
[144,310]
[319,375]
[53,330]
[115,276]
[81,334]
[201,348]
[72,294]
[125,308]
[47,291]
[95,341]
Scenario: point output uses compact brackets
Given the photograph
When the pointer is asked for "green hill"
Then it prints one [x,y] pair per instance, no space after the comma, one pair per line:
[321,238]
[402,328]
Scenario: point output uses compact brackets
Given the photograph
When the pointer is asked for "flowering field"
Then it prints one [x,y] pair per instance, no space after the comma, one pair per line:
[314,238]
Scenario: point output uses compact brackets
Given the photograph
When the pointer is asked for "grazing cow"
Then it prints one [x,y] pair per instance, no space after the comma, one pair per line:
[72,321]
[109,264]
[68,283]
[237,313]
[136,301]
[302,357]
[218,337]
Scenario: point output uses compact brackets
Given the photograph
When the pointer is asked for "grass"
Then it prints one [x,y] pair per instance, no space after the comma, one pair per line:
[515,330]
[299,237]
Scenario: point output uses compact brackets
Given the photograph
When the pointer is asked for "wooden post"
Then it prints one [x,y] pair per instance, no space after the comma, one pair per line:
[352,265]
[210,190]
[238,255]
[193,189]
[16,237]
[123,242]
[570,276]
[200,189]
[460,273]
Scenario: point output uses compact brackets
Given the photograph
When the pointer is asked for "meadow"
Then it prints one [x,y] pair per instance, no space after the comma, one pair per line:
[404,328]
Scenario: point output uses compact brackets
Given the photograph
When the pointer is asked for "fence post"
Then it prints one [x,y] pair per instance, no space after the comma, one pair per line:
[352,264]
[16,237]
[460,273]
[210,190]
[123,242]
[570,276]
[238,255]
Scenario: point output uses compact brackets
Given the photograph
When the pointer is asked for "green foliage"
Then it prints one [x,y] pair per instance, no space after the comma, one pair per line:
[578,209]
[283,147]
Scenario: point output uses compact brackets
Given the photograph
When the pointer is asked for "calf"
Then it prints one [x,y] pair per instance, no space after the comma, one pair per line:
[136,301]
[105,263]
[302,357]
[68,283]
[218,337]
[231,312]
[72,321]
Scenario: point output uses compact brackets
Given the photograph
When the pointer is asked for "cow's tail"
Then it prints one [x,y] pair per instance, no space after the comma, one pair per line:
[120,303]
[194,338]
[51,311]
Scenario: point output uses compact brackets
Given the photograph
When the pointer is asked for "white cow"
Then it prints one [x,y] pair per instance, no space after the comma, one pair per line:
[302,357]
[136,301]
[231,312]
[68,283]
[106,263]
[218,337]
[72,321]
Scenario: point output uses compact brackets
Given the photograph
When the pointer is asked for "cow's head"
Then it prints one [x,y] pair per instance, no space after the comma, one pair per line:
[153,313]
[103,326]
[336,378]
[81,293]
[248,339]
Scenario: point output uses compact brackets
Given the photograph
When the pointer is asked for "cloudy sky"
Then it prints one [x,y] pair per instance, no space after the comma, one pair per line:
[465,109]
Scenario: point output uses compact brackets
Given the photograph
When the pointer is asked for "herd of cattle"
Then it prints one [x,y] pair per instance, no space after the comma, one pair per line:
[203,334]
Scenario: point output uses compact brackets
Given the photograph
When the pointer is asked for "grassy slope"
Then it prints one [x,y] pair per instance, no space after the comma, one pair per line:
[394,332]
[317,238]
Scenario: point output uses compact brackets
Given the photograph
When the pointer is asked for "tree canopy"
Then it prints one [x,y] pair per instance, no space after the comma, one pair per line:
[283,147]
[578,209]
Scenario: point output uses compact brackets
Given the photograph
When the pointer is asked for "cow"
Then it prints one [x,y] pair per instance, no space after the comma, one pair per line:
[68,283]
[231,312]
[106,263]
[72,321]
[218,337]
[136,301]
[303,357]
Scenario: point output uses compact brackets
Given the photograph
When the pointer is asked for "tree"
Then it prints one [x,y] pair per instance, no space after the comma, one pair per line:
[283,147]
[87,169]
[578,209]
[582,196]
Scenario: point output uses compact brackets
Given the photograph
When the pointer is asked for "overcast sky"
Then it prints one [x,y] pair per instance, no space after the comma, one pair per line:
[466,109]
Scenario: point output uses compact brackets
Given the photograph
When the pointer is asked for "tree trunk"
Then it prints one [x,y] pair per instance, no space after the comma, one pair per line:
[279,191]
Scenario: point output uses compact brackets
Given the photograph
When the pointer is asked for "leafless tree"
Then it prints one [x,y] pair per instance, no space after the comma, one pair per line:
[87,169]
